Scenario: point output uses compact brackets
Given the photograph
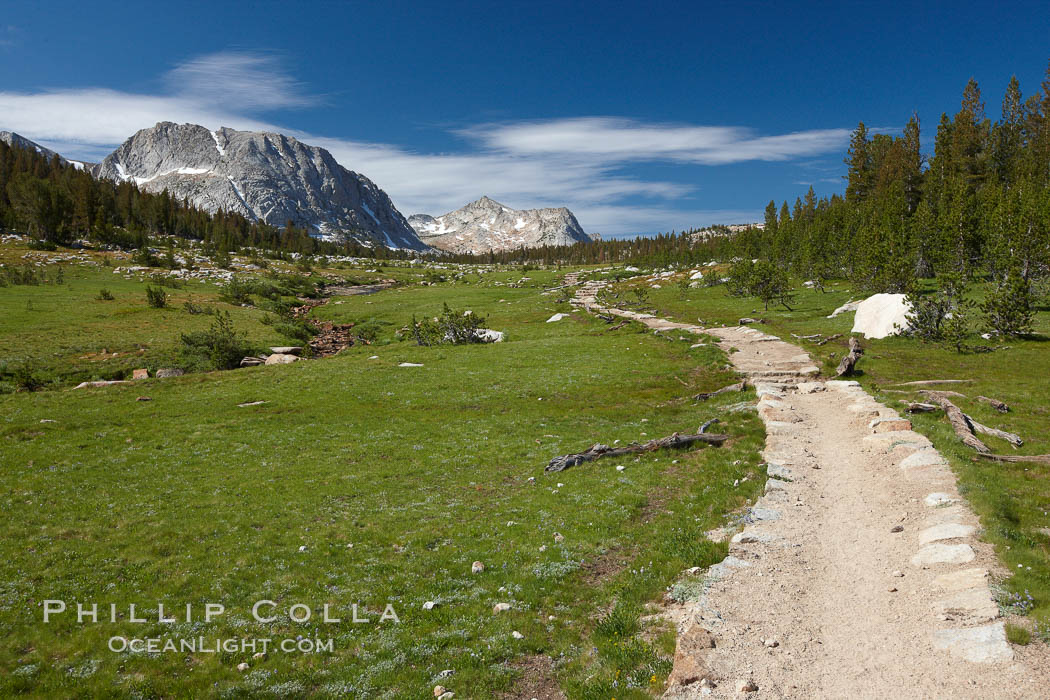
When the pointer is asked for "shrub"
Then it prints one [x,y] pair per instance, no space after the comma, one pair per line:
[1008,309]
[196,309]
[451,327]
[295,329]
[763,280]
[41,244]
[219,347]
[942,317]
[156,297]
[26,379]
[145,258]
[104,295]
[236,292]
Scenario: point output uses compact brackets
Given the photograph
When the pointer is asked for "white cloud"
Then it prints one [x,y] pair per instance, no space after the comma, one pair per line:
[239,79]
[579,163]
[619,140]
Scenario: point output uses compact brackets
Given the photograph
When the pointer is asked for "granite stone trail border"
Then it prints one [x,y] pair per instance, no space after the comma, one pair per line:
[859,573]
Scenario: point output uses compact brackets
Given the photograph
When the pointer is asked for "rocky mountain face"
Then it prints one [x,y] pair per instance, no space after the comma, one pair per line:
[487,225]
[17,141]
[263,176]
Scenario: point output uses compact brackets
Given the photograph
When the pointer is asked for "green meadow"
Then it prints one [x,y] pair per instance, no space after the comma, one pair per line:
[355,481]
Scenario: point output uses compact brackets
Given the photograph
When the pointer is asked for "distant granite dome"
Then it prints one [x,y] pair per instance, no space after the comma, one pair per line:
[487,225]
[266,177]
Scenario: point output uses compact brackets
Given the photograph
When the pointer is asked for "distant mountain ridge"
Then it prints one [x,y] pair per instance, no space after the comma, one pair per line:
[18,141]
[264,176]
[486,225]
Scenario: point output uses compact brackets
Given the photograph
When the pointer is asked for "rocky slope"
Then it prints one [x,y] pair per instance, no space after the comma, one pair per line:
[487,225]
[264,176]
[18,141]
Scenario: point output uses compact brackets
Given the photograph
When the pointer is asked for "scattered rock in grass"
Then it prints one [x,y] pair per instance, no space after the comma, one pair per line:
[439,690]
[86,385]
[477,567]
[143,398]
[447,695]
[620,467]
[169,372]
[558,537]
[302,548]
[242,667]
[250,403]
[259,655]
[517,635]
[374,357]
[500,607]
[446,673]
[140,374]
[410,364]
[556,317]
[429,605]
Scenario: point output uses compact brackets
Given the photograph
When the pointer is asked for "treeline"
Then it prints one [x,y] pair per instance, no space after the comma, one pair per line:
[58,204]
[658,251]
[980,206]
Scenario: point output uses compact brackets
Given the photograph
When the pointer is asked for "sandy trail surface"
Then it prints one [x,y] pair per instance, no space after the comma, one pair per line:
[860,573]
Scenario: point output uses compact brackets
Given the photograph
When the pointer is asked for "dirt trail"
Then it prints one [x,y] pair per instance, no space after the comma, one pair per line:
[860,572]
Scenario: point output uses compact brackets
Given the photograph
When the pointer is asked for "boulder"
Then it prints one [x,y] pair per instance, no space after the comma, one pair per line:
[252,362]
[556,317]
[287,350]
[168,372]
[847,307]
[881,315]
[487,335]
[698,275]
[140,374]
[280,359]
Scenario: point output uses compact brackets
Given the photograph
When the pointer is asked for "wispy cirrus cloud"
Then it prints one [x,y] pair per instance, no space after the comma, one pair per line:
[583,163]
[244,80]
[620,140]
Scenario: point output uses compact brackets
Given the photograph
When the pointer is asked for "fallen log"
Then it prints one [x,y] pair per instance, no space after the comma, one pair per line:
[1011,438]
[934,394]
[1039,459]
[934,381]
[922,408]
[829,339]
[962,425]
[597,451]
[739,386]
[995,403]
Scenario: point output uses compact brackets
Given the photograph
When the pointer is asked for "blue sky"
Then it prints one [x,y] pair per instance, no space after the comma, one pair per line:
[639,117]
